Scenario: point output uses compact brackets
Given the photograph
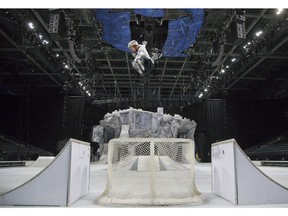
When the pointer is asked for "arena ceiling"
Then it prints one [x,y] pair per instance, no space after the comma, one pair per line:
[35,60]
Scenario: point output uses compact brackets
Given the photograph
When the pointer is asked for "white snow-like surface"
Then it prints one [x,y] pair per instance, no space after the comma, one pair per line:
[14,176]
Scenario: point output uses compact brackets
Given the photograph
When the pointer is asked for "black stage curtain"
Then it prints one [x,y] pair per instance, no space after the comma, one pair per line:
[75,107]
[216,121]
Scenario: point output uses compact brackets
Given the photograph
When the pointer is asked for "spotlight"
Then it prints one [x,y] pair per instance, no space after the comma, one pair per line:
[45,42]
[259,33]
[80,83]
[227,66]
[57,55]
[40,36]
[87,92]
[84,87]
[222,71]
[233,60]
[66,66]
[279,11]
[201,94]
[249,43]
[205,89]
[31,25]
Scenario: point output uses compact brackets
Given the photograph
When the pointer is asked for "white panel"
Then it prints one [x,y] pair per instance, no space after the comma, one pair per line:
[79,171]
[255,187]
[252,185]
[223,171]
[49,187]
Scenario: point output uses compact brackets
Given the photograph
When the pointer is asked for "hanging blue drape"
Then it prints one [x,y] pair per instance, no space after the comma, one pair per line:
[182,33]
[116,27]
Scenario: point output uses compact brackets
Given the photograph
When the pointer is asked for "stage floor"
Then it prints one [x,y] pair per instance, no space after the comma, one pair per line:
[11,177]
[203,181]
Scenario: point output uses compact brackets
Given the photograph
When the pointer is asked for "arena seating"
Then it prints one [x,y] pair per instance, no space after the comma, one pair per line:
[11,150]
[275,149]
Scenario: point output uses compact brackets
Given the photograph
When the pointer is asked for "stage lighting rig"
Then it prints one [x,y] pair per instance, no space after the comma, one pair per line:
[56,26]
[261,39]
[279,11]
[220,37]
[73,35]
[31,25]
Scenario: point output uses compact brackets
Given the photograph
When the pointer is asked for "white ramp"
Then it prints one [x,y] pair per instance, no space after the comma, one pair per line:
[237,179]
[61,183]
[42,161]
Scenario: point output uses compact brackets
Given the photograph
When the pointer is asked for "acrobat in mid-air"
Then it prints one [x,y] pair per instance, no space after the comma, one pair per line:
[142,62]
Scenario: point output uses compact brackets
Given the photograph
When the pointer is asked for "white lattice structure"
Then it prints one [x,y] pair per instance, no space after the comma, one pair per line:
[150,171]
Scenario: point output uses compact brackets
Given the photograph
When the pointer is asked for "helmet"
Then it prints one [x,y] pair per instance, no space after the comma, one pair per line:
[131,43]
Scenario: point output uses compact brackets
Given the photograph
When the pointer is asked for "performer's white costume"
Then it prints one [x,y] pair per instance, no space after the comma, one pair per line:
[140,57]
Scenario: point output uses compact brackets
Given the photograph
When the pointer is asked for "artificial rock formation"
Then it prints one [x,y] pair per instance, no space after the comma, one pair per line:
[143,124]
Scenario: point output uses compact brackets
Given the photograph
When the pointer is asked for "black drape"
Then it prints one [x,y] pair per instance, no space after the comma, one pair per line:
[75,107]
[215,120]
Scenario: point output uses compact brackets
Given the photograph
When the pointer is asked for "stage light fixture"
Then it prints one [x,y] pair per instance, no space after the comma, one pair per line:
[279,11]
[31,25]
[259,33]
[201,94]
[45,42]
